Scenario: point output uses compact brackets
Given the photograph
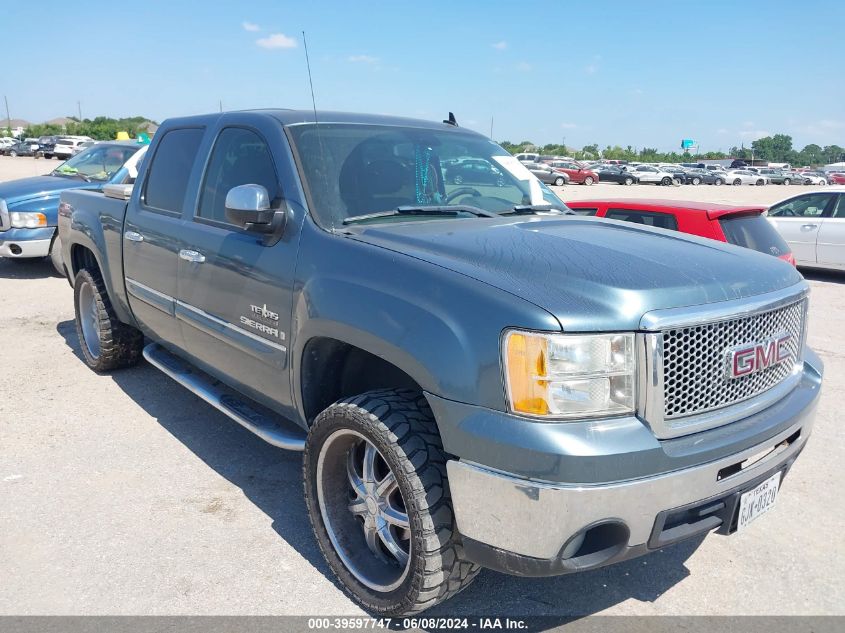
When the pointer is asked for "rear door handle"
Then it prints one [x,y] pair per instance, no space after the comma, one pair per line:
[194,257]
[808,227]
[133,236]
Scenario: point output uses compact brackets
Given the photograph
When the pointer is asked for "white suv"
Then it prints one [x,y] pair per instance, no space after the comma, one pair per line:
[650,173]
[66,146]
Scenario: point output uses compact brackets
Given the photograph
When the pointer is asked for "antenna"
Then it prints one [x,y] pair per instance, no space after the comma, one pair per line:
[310,82]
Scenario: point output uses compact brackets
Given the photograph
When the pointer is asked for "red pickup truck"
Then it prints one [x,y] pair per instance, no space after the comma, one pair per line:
[743,226]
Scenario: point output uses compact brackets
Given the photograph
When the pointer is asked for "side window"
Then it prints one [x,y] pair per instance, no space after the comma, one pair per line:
[808,206]
[648,218]
[239,157]
[584,210]
[167,180]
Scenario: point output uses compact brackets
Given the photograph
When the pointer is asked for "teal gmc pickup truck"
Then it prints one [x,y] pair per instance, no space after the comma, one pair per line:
[476,376]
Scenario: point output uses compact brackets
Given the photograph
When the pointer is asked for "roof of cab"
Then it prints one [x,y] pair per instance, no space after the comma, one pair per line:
[295,117]
[712,209]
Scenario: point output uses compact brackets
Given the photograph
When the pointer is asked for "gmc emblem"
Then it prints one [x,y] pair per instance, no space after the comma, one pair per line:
[744,360]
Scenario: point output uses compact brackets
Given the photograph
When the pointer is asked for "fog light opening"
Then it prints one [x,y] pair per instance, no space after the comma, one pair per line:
[595,544]
[15,249]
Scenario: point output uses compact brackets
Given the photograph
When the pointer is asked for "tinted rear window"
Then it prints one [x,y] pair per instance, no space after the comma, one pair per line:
[167,181]
[648,218]
[755,232]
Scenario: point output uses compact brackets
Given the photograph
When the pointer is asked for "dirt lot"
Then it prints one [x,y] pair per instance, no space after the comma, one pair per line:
[125,494]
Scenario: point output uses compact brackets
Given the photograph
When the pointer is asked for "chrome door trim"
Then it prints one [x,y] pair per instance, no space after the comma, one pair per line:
[722,310]
[227,332]
[151,296]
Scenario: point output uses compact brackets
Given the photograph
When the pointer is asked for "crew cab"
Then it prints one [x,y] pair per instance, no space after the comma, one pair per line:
[476,375]
[29,206]
[742,226]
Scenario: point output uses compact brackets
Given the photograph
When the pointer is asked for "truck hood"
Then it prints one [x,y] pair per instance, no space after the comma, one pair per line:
[16,191]
[591,274]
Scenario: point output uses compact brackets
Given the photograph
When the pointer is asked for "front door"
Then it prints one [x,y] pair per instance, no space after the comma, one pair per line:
[150,242]
[799,219]
[235,292]
[830,247]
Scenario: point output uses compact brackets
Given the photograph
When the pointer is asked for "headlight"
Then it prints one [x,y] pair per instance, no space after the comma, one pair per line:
[21,220]
[569,375]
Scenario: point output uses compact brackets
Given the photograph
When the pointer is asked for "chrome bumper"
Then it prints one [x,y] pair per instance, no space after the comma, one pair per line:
[538,519]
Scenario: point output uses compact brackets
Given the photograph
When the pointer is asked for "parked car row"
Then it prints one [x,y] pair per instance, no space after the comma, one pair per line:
[61,147]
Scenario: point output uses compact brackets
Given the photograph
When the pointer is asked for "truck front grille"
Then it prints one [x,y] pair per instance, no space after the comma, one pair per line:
[695,360]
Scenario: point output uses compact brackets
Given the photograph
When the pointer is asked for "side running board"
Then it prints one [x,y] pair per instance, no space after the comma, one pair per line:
[277,432]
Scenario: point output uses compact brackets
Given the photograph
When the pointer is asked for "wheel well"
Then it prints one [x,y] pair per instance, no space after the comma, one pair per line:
[82,257]
[332,370]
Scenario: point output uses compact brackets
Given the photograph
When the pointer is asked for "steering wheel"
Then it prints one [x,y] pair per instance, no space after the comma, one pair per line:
[460,191]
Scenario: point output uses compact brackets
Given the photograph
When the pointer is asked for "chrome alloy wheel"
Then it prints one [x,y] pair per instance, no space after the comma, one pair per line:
[89,317]
[363,510]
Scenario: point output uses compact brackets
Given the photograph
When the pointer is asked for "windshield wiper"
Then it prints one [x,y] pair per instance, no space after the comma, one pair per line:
[79,174]
[444,210]
[531,209]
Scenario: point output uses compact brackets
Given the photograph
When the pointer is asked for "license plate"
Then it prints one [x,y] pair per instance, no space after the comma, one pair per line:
[758,501]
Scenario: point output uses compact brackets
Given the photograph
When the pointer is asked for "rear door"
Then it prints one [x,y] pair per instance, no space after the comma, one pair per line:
[150,242]
[799,219]
[830,246]
[235,292]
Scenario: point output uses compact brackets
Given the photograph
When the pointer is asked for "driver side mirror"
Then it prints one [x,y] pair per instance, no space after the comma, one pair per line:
[248,206]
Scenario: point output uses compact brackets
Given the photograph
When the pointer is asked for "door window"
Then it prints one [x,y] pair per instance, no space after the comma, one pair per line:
[584,210]
[170,170]
[239,157]
[840,207]
[648,218]
[809,206]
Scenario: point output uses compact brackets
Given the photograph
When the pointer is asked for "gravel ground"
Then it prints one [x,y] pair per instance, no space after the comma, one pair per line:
[125,494]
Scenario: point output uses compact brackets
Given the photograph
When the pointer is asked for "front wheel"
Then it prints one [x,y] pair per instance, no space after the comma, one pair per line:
[458,179]
[13,153]
[588,180]
[106,342]
[718,182]
[559,182]
[696,181]
[760,183]
[737,182]
[379,502]
[629,181]
[823,183]
[786,181]
[666,181]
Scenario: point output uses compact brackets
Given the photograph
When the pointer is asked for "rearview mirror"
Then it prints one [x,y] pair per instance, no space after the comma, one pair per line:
[248,206]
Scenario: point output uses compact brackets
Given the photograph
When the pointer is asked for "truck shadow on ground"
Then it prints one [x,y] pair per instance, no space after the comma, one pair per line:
[27,268]
[272,479]
[817,274]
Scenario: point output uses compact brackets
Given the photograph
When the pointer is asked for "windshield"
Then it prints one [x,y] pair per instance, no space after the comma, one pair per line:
[354,170]
[98,162]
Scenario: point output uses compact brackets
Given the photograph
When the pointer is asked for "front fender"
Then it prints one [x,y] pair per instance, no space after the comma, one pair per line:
[440,327]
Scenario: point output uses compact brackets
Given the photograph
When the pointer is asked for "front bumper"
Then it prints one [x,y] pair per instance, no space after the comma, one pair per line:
[21,243]
[530,527]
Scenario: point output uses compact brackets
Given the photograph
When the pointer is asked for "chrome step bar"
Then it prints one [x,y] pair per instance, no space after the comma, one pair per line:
[282,434]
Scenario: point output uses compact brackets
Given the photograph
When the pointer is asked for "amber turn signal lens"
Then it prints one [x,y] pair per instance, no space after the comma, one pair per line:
[526,373]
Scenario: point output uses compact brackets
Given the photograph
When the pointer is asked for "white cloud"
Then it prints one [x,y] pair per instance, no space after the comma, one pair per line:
[276,40]
[754,134]
[591,69]
[500,46]
[523,67]
[362,59]
[722,130]
[568,126]
[250,26]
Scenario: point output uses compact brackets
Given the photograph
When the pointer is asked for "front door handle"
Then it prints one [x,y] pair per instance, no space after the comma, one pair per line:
[192,256]
[133,236]
[808,227]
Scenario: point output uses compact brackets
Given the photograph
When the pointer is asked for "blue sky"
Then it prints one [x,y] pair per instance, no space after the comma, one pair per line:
[638,72]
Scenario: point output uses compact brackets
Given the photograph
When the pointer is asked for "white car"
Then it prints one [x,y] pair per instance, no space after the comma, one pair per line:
[67,146]
[813,224]
[745,177]
[814,178]
[649,173]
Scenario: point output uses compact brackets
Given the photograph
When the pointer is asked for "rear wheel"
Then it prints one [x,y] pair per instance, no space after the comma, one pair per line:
[458,179]
[696,181]
[666,181]
[106,342]
[786,181]
[718,182]
[760,183]
[379,502]
[823,182]
[559,182]
[737,181]
[13,153]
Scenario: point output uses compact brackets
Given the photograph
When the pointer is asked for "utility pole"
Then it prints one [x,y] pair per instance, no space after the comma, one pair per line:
[221,105]
[8,116]
[491,127]
[79,110]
